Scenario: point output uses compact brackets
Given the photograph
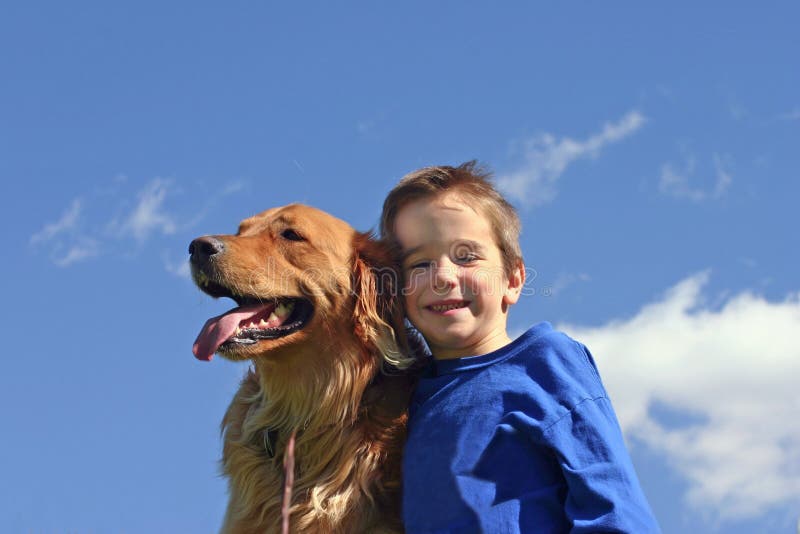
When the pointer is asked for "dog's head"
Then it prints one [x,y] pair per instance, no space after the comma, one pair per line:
[300,278]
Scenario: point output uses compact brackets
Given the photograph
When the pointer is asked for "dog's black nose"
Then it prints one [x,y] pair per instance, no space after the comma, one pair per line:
[202,248]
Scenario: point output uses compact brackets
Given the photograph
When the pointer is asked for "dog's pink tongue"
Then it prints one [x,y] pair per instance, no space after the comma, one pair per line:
[218,329]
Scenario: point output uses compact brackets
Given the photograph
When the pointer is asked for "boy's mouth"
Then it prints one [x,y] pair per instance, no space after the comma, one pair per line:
[447,305]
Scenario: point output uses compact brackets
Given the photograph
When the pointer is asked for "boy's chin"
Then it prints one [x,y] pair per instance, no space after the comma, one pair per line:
[449,345]
[458,341]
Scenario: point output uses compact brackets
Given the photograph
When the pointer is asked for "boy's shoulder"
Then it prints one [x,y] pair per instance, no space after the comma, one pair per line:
[560,365]
[543,342]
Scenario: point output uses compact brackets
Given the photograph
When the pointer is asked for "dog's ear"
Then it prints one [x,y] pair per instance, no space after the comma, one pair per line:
[378,313]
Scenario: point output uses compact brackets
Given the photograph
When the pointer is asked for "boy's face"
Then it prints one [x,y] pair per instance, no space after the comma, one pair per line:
[456,290]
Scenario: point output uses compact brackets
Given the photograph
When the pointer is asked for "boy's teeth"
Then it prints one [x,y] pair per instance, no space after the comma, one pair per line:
[446,307]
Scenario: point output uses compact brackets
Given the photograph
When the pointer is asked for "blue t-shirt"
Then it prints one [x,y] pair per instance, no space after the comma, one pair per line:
[523,439]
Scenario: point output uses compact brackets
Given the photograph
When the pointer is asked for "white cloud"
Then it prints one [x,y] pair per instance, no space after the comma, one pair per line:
[736,109]
[370,125]
[66,223]
[748,262]
[79,233]
[64,241]
[85,248]
[149,216]
[723,177]
[547,158]
[793,115]
[565,280]
[180,269]
[735,369]
[675,183]
[233,187]
[364,126]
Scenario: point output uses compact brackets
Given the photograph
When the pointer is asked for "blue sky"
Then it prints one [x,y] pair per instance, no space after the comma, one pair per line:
[652,152]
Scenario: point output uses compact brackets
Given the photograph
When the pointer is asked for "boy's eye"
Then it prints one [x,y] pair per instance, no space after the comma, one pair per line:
[466,257]
[464,253]
[419,265]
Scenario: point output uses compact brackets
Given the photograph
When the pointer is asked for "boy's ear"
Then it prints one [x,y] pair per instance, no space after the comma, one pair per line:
[515,282]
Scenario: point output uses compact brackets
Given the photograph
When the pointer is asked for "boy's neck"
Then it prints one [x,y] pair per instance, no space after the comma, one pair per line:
[484,346]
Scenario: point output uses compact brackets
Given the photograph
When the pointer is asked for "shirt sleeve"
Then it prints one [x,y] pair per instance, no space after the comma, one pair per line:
[603,491]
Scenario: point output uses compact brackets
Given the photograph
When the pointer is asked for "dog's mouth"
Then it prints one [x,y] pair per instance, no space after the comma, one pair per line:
[269,320]
[252,321]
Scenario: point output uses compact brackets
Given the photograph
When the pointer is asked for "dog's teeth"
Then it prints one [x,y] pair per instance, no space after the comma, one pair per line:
[272,317]
[238,330]
[251,325]
[262,323]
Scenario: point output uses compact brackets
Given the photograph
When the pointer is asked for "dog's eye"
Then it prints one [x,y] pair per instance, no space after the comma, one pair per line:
[291,235]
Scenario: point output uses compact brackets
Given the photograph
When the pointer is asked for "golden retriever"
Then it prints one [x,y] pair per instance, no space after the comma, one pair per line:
[318,315]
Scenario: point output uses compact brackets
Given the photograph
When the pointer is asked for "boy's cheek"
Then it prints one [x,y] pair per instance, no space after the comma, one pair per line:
[411,315]
[413,284]
[408,304]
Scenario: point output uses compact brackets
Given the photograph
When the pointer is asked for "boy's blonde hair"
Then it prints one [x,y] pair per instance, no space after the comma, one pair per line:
[473,183]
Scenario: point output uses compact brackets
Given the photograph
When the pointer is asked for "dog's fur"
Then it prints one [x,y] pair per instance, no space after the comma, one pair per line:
[327,381]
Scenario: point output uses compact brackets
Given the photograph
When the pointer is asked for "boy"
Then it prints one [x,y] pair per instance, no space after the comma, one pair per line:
[504,435]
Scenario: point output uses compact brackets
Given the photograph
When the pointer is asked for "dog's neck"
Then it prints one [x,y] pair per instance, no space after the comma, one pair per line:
[332,416]
[298,394]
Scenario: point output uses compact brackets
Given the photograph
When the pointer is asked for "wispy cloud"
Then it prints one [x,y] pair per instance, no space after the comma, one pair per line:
[748,262]
[66,223]
[149,215]
[64,240]
[676,183]
[369,125]
[723,177]
[105,221]
[565,280]
[233,187]
[547,157]
[363,127]
[80,233]
[84,248]
[793,115]
[178,268]
[731,370]
[736,108]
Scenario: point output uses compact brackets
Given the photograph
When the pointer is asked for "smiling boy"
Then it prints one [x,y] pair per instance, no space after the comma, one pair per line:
[504,435]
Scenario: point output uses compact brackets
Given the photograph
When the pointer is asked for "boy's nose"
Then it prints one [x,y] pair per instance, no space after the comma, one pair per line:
[445,277]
